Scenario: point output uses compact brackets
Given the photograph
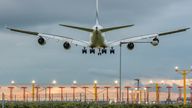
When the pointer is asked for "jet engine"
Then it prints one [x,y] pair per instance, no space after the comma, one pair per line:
[41,41]
[130,46]
[155,42]
[66,45]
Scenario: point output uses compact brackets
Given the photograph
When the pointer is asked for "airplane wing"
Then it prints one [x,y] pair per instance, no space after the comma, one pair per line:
[135,39]
[51,36]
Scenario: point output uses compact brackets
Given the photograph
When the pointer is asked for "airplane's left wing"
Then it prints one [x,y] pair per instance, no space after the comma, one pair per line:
[51,36]
[135,39]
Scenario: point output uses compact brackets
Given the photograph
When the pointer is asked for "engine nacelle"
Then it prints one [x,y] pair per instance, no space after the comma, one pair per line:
[66,45]
[41,41]
[155,42]
[130,46]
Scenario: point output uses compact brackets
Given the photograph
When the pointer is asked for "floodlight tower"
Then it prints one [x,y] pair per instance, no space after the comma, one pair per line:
[169,94]
[37,92]
[184,73]
[107,92]
[24,92]
[117,90]
[62,88]
[33,89]
[11,90]
[95,90]
[137,91]
[74,87]
[85,92]
[54,82]
[127,88]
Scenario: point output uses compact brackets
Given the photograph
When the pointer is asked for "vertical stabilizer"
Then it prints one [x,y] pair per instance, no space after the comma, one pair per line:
[97,12]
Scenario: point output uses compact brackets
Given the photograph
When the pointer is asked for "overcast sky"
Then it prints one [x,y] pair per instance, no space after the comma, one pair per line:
[22,59]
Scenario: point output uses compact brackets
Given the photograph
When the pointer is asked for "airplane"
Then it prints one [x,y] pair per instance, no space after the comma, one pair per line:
[97,37]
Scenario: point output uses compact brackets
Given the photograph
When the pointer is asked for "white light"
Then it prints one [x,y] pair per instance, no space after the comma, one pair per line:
[33,81]
[162,82]
[12,82]
[74,82]
[54,82]
[95,82]
[176,68]
[116,82]
[135,88]
[145,89]
[151,82]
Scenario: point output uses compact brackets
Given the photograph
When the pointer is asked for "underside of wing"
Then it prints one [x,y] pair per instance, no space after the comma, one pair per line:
[51,36]
[137,38]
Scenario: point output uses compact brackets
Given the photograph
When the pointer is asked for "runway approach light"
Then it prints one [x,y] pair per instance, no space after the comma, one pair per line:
[151,82]
[176,68]
[162,82]
[95,82]
[33,81]
[74,82]
[54,82]
[116,82]
[12,82]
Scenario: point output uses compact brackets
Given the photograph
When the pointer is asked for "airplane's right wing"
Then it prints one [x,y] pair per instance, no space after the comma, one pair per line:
[137,38]
[51,36]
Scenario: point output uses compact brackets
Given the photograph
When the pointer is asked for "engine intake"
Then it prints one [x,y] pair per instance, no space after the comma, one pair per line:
[130,46]
[155,42]
[67,45]
[41,41]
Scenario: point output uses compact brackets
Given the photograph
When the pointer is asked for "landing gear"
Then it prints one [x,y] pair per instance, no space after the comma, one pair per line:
[92,51]
[84,51]
[104,51]
[99,53]
[112,51]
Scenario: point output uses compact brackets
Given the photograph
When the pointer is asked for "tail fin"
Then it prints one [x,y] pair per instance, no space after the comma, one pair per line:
[97,12]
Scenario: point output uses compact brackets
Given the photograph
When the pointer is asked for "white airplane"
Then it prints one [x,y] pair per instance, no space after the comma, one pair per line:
[97,39]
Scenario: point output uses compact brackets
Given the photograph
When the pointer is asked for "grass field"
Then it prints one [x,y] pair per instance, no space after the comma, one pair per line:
[83,105]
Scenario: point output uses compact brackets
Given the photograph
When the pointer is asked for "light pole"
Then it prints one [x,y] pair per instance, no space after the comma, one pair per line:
[138,81]
[61,87]
[184,74]
[117,90]
[33,89]
[24,93]
[95,90]
[11,90]
[74,87]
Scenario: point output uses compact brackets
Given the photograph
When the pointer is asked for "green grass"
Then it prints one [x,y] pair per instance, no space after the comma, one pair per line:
[83,105]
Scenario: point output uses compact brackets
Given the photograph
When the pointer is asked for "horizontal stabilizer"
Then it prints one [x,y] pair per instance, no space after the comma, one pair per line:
[115,28]
[78,28]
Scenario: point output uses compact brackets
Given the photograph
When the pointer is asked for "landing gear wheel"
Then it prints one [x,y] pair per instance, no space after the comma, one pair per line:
[112,51]
[84,51]
[92,51]
[104,51]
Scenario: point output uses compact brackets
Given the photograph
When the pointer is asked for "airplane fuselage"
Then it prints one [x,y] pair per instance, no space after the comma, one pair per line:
[97,38]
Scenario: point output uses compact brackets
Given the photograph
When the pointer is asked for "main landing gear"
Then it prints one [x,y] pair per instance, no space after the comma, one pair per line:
[100,51]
